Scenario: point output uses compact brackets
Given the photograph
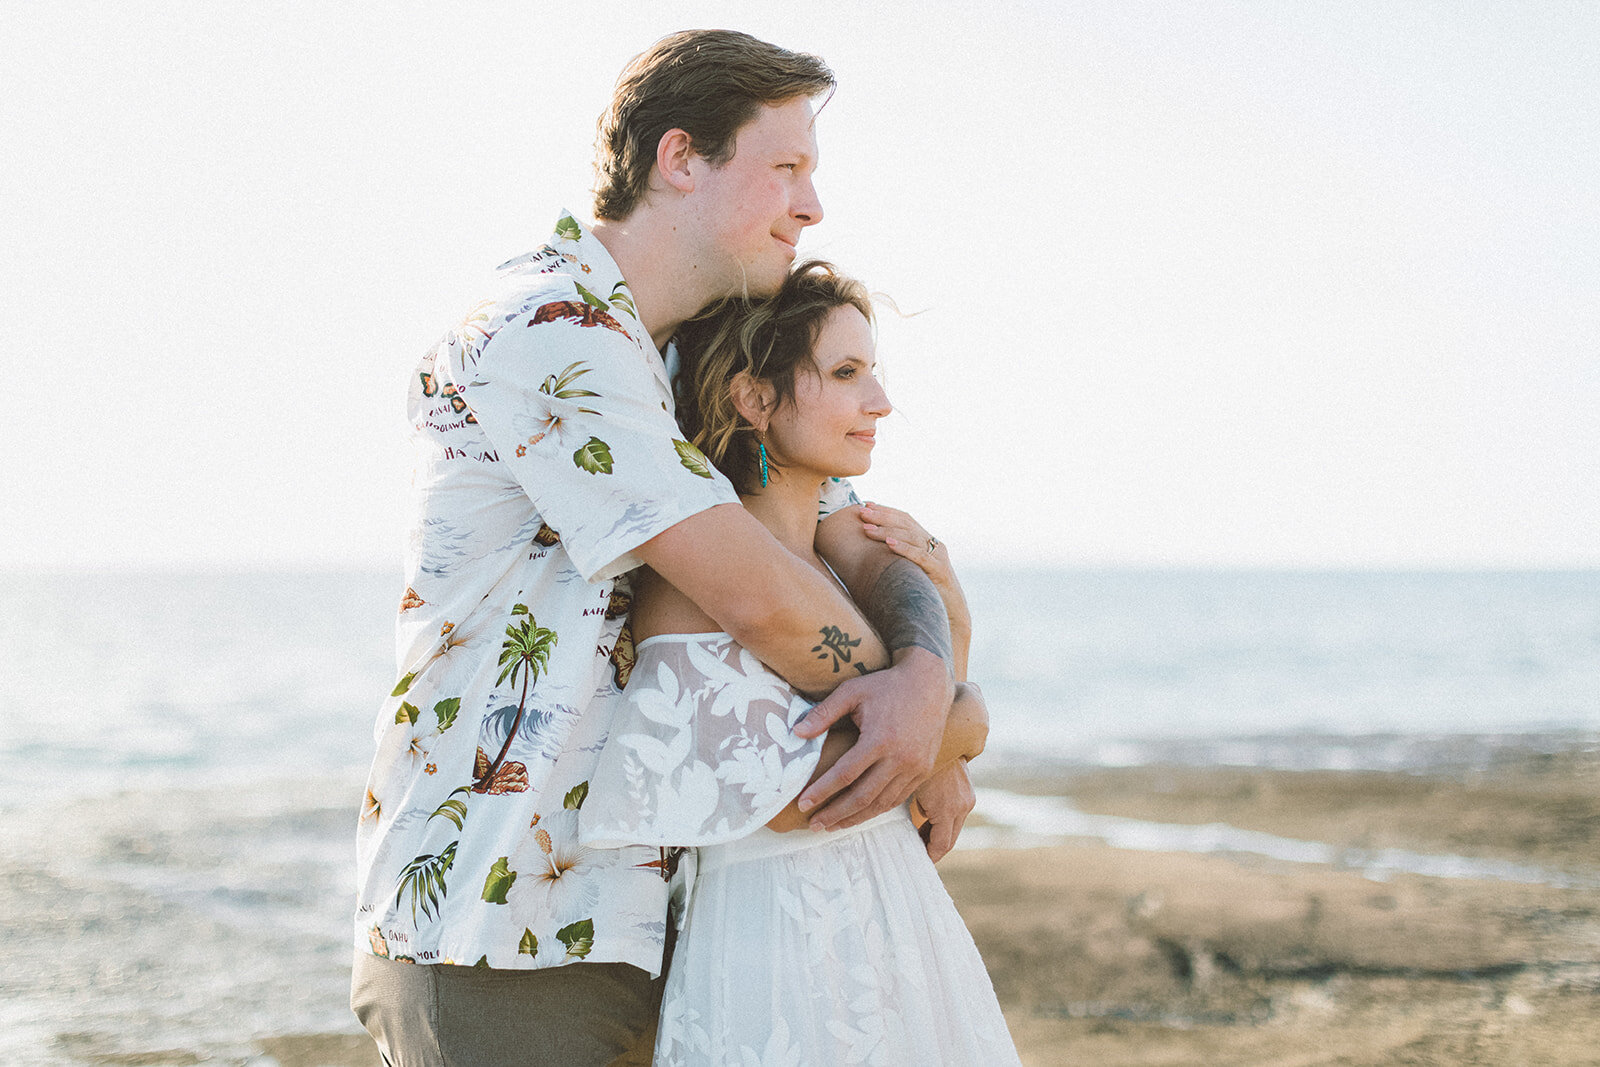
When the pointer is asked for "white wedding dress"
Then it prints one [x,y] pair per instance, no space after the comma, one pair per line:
[793,949]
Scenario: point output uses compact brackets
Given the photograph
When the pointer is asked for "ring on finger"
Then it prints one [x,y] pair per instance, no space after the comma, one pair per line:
[933,544]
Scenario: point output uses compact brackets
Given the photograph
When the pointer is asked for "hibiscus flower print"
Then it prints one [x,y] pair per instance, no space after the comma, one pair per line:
[553,408]
[555,874]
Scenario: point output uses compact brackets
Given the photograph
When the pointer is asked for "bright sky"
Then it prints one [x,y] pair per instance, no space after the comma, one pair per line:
[1200,284]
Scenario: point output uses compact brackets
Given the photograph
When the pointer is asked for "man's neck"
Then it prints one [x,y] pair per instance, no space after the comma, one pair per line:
[659,270]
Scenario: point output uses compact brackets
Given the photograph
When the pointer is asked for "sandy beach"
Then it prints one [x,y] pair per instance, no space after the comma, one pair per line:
[160,928]
[1111,956]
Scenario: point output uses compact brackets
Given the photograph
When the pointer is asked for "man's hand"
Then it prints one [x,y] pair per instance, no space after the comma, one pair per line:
[947,799]
[901,715]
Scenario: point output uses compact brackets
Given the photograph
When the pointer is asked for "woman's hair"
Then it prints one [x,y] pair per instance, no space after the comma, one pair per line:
[707,83]
[772,339]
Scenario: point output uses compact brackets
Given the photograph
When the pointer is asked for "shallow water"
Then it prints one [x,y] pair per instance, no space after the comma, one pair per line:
[150,680]
[190,921]
[1017,821]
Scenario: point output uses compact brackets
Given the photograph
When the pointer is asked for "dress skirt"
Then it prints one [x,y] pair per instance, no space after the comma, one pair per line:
[827,948]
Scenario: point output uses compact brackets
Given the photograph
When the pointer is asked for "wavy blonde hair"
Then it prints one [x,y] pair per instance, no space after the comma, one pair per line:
[770,339]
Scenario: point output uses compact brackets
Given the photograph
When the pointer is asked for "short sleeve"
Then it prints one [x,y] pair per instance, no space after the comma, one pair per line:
[837,493]
[580,415]
[701,748]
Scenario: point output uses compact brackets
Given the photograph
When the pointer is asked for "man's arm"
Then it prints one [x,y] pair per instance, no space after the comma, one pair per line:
[965,732]
[773,603]
[900,712]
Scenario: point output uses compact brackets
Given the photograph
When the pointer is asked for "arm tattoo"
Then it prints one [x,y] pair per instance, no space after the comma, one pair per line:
[906,609]
[835,643]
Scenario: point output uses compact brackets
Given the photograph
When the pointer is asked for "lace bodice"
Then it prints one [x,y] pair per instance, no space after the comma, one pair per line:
[701,748]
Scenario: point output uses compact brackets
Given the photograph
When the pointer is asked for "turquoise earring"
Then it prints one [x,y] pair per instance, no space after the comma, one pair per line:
[763,449]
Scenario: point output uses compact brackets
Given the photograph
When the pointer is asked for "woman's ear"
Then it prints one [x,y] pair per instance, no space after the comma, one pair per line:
[753,399]
[674,152]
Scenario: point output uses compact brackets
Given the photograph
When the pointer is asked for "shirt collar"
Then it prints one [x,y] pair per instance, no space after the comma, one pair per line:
[595,270]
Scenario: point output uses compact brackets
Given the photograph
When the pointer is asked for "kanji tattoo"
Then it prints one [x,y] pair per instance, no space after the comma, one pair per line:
[835,643]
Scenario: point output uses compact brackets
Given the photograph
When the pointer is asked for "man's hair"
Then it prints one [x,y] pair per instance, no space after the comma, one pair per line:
[771,339]
[707,83]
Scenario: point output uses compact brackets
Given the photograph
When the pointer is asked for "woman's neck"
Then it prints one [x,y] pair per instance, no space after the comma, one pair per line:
[788,508]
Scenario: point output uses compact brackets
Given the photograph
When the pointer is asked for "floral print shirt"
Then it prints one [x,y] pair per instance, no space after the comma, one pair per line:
[547,454]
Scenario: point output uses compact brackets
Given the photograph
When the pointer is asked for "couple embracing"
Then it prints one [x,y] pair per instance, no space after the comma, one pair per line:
[661,676]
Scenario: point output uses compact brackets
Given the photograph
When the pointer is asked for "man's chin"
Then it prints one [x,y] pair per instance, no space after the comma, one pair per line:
[756,280]
[765,284]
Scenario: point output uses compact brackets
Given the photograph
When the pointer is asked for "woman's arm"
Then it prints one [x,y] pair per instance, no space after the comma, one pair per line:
[966,731]
[906,538]
[718,557]
[941,805]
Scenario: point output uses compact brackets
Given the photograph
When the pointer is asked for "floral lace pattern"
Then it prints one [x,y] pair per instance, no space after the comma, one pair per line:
[702,749]
[838,948]
[793,949]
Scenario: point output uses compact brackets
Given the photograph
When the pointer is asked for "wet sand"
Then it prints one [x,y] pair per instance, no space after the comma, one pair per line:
[172,929]
[1105,956]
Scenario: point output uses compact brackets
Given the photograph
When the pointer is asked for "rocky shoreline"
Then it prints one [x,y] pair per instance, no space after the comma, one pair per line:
[165,928]
[1110,956]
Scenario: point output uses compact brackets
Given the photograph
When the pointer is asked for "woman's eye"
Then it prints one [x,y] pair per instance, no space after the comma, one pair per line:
[845,372]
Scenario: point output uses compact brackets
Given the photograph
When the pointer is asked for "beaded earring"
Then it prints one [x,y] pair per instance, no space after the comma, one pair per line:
[763,449]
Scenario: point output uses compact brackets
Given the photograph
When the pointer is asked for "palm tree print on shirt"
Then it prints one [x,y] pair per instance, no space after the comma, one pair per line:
[525,652]
[424,877]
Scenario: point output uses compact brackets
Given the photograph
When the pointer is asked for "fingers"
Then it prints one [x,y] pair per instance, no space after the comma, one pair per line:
[874,512]
[948,798]
[825,713]
[854,803]
[917,553]
[880,523]
[942,839]
[879,532]
[906,538]
[958,824]
[891,796]
[841,775]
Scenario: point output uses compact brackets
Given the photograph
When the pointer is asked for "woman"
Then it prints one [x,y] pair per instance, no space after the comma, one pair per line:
[794,947]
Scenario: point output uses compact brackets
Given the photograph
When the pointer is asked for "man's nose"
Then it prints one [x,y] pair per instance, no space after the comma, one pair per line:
[807,208]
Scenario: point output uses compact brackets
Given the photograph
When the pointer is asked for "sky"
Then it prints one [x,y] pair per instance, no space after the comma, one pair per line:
[1180,285]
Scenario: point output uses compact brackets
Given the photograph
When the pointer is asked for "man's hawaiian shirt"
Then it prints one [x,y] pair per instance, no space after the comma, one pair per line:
[546,455]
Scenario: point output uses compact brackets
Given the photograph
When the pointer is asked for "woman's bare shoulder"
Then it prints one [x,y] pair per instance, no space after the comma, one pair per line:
[659,608]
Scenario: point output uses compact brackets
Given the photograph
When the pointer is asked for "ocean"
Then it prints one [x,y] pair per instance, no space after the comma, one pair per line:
[184,753]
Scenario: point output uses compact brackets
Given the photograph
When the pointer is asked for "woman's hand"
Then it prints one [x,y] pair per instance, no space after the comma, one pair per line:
[906,537]
[940,808]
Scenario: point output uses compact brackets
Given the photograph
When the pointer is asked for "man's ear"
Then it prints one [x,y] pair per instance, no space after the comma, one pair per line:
[753,399]
[674,153]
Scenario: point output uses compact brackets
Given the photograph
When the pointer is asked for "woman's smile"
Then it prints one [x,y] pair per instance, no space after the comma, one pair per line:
[829,426]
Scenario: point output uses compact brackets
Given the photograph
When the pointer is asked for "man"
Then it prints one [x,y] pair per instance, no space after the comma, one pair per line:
[550,466]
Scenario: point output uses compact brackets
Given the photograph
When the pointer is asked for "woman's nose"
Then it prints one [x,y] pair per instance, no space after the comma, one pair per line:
[878,402]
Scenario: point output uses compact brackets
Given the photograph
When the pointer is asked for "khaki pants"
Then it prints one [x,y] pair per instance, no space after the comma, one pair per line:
[439,1015]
